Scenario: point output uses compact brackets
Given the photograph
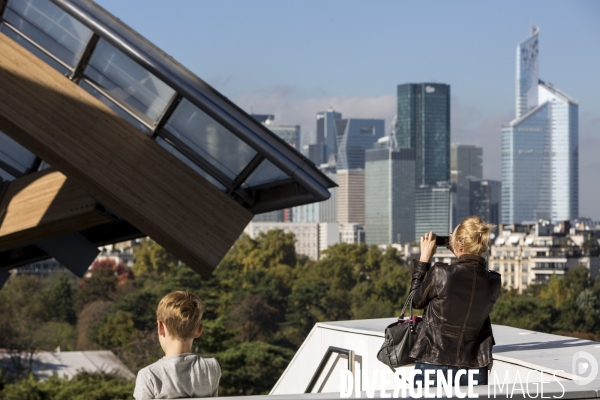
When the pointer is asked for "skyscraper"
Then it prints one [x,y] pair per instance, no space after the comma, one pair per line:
[390,196]
[351,196]
[433,205]
[485,200]
[354,137]
[423,124]
[540,150]
[466,166]
[326,134]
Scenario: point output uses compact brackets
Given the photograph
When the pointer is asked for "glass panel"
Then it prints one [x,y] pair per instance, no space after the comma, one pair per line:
[5,176]
[128,81]
[50,27]
[265,173]
[189,163]
[37,52]
[15,155]
[209,139]
[88,88]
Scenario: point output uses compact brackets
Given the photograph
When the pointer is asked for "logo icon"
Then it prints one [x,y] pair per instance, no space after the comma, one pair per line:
[584,367]
[429,89]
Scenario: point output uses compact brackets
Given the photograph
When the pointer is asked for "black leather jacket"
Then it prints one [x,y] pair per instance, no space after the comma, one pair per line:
[457,299]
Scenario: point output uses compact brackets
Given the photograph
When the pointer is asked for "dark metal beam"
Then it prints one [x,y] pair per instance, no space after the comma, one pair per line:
[71,250]
[247,171]
[85,58]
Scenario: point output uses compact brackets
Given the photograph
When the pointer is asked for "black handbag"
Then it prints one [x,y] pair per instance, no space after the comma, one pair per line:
[400,338]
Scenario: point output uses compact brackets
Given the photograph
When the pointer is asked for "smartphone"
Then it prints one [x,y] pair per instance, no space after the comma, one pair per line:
[442,241]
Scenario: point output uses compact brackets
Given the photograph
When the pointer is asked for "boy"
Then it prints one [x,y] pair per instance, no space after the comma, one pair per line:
[179,373]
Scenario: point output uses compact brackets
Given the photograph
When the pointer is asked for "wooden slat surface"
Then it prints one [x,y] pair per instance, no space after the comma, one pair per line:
[43,205]
[121,167]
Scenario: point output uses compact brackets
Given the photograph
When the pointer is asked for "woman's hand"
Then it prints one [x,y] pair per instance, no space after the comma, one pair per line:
[427,247]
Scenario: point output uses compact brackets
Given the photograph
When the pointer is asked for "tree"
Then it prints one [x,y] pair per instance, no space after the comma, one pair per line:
[100,285]
[62,301]
[251,368]
[252,317]
[82,386]
[150,257]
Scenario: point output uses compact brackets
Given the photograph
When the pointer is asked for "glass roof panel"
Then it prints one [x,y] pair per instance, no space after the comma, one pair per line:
[209,139]
[15,155]
[88,88]
[126,80]
[5,176]
[37,52]
[50,27]
[266,172]
[189,163]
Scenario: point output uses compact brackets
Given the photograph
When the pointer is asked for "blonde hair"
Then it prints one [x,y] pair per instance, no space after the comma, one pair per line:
[472,235]
[181,312]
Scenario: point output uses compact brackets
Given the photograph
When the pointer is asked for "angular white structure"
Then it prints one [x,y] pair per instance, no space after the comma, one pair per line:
[540,147]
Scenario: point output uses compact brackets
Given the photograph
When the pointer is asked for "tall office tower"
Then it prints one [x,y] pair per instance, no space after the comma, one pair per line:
[466,165]
[390,196]
[355,136]
[433,206]
[326,132]
[540,150]
[351,196]
[485,200]
[316,153]
[423,124]
[527,73]
[289,133]
[324,211]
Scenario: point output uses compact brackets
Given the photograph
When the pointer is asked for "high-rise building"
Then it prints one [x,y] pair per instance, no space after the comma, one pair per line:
[325,211]
[540,150]
[326,134]
[423,124]
[354,137]
[351,196]
[485,200]
[433,205]
[466,166]
[390,196]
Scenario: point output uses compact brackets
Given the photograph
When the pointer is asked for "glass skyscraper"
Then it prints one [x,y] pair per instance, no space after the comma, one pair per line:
[466,166]
[434,205]
[540,150]
[423,124]
[390,196]
[326,133]
[354,137]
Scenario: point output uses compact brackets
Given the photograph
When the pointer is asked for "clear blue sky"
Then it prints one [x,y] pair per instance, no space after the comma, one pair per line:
[294,58]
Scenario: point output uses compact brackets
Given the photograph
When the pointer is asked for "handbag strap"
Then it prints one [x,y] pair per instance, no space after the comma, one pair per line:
[406,303]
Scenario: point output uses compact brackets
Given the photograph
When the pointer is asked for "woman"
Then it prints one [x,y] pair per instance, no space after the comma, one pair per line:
[456,333]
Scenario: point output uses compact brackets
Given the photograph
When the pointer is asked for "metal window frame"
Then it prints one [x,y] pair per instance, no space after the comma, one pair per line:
[35,44]
[11,170]
[323,363]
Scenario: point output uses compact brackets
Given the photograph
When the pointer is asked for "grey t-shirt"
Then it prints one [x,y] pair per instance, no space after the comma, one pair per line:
[184,375]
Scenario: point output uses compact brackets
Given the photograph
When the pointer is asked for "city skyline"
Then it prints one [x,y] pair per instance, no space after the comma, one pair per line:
[464,47]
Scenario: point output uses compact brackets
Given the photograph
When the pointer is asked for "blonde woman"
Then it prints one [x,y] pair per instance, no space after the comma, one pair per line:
[456,333]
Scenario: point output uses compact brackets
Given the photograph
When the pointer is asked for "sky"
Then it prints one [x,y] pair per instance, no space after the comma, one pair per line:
[294,58]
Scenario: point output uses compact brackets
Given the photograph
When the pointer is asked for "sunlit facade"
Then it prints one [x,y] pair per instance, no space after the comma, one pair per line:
[540,150]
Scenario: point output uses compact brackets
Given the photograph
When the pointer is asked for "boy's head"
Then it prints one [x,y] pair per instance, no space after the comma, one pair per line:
[181,312]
